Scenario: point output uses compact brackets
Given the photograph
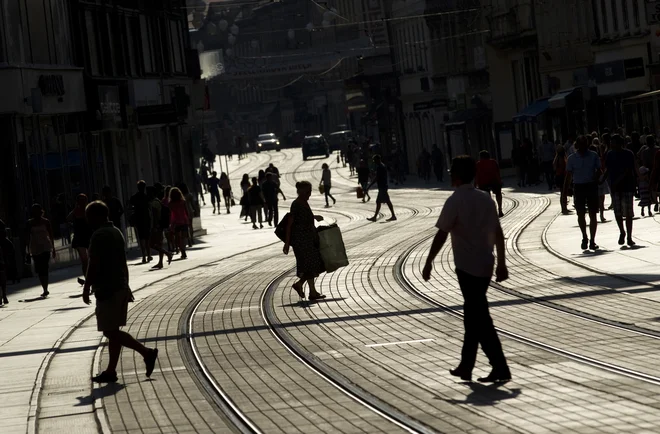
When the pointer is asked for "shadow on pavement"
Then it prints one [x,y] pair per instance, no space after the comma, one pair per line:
[101,392]
[305,303]
[482,395]
[30,300]
[65,309]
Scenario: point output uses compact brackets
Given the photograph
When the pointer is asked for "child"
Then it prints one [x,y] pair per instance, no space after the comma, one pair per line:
[644,190]
[7,262]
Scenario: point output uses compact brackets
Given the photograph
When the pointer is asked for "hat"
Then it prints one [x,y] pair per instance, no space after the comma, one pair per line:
[643,170]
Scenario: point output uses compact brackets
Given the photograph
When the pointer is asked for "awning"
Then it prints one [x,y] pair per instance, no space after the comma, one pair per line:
[642,96]
[558,101]
[530,112]
[462,116]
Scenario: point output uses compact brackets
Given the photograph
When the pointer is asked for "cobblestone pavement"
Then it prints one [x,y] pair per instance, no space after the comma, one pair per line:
[240,353]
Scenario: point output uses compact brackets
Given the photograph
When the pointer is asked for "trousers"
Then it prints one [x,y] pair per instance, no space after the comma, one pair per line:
[479,328]
[272,212]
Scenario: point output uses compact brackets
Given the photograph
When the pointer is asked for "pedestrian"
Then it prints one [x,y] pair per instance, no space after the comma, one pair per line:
[193,210]
[647,153]
[636,142]
[107,275]
[559,165]
[547,153]
[165,220]
[583,169]
[276,173]
[214,190]
[142,219]
[327,184]
[60,212]
[225,186]
[81,232]
[655,181]
[383,194]
[438,163]
[645,190]
[271,191]
[489,179]
[161,221]
[245,201]
[179,220]
[304,238]
[40,245]
[519,160]
[199,189]
[621,170]
[471,219]
[114,205]
[350,151]
[569,145]
[8,269]
[204,175]
[603,186]
[364,175]
[425,164]
[256,201]
[261,177]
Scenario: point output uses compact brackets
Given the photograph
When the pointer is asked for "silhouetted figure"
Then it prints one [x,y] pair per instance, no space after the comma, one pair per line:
[488,178]
[271,190]
[141,219]
[114,206]
[81,232]
[383,194]
[326,181]
[108,276]
[470,217]
[40,245]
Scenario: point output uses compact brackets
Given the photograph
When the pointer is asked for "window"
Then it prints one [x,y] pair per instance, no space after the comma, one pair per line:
[92,43]
[147,52]
[615,17]
[603,13]
[626,21]
[636,12]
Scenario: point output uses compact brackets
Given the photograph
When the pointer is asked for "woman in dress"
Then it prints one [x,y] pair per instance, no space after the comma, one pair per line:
[179,220]
[303,237]
[226,190]
[81,232]
[327,184]
[245,202]
[40,244]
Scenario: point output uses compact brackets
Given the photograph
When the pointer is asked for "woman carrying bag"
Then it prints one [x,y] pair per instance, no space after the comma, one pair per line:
[301,234]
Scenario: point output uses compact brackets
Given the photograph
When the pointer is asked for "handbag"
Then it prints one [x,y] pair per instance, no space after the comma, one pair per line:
[332,248]
[280,229]
[321,189]
[360,193]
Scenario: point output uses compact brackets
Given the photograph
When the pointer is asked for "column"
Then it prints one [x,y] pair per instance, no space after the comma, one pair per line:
[631,16]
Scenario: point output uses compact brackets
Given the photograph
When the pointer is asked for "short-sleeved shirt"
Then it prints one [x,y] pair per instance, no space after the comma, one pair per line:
[621,170]
[583,167]
[213,183]
[381,177]
[470,217]
[270,190]
[488,173]
[107,248]
[254,194]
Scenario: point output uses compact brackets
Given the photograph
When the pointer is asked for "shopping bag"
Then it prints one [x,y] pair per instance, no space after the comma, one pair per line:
[360,193]
[321,189]
[331,246]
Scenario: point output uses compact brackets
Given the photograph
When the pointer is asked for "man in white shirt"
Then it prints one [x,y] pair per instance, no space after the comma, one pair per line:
[469,215]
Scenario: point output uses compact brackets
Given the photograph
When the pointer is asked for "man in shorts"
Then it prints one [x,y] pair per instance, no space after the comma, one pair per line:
[488,178]
[583,170]
[383,195]
[620,169]
[107,273]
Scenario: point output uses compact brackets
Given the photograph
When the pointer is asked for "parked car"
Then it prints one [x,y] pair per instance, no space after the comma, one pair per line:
[267,142]
[339,139]
[315,145]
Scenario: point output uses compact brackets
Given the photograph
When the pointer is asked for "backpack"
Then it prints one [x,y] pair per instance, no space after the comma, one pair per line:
[280,229]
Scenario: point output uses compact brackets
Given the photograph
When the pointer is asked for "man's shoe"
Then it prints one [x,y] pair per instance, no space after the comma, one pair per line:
[585,243]
[593,246]
[461,373]
[105,377]
[150,361]
[622,238]
[496,377]
[631,242]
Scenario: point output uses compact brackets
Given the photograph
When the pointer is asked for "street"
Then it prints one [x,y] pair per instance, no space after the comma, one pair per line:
[239,352]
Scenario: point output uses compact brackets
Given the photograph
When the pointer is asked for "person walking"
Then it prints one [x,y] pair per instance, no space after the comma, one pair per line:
[364,174]
[60,212]
[559,165]
[471,219]
[547,153]
[603,186]
[81,232]
[276,173]
[245,201]
[225,186]
[114,206]
[583,169]
[161,221]
[304,238]
[621,171]
[271,191]
[179,220]
[438,163]
[256,202]
[8,269]
[107,275]
[193,210]
[214,190]
[647,153]
[142,219]
[327,184]
[204,175]
[383,194]
[644,190]
[40,245]
[199,190]
[165,217]
[488,178]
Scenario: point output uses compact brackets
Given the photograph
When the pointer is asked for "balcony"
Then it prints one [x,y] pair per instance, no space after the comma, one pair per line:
[512,28]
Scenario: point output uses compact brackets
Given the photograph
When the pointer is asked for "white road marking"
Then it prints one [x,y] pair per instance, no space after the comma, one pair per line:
[226,310]
[386,344]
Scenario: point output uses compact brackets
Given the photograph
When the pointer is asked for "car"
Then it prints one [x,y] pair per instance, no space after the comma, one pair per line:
[315,145]
[266,142]
[339,139]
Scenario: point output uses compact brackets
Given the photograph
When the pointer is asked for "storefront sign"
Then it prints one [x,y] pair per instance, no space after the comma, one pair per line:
[110,106]
[435,103]
[618,70]
[51,85]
